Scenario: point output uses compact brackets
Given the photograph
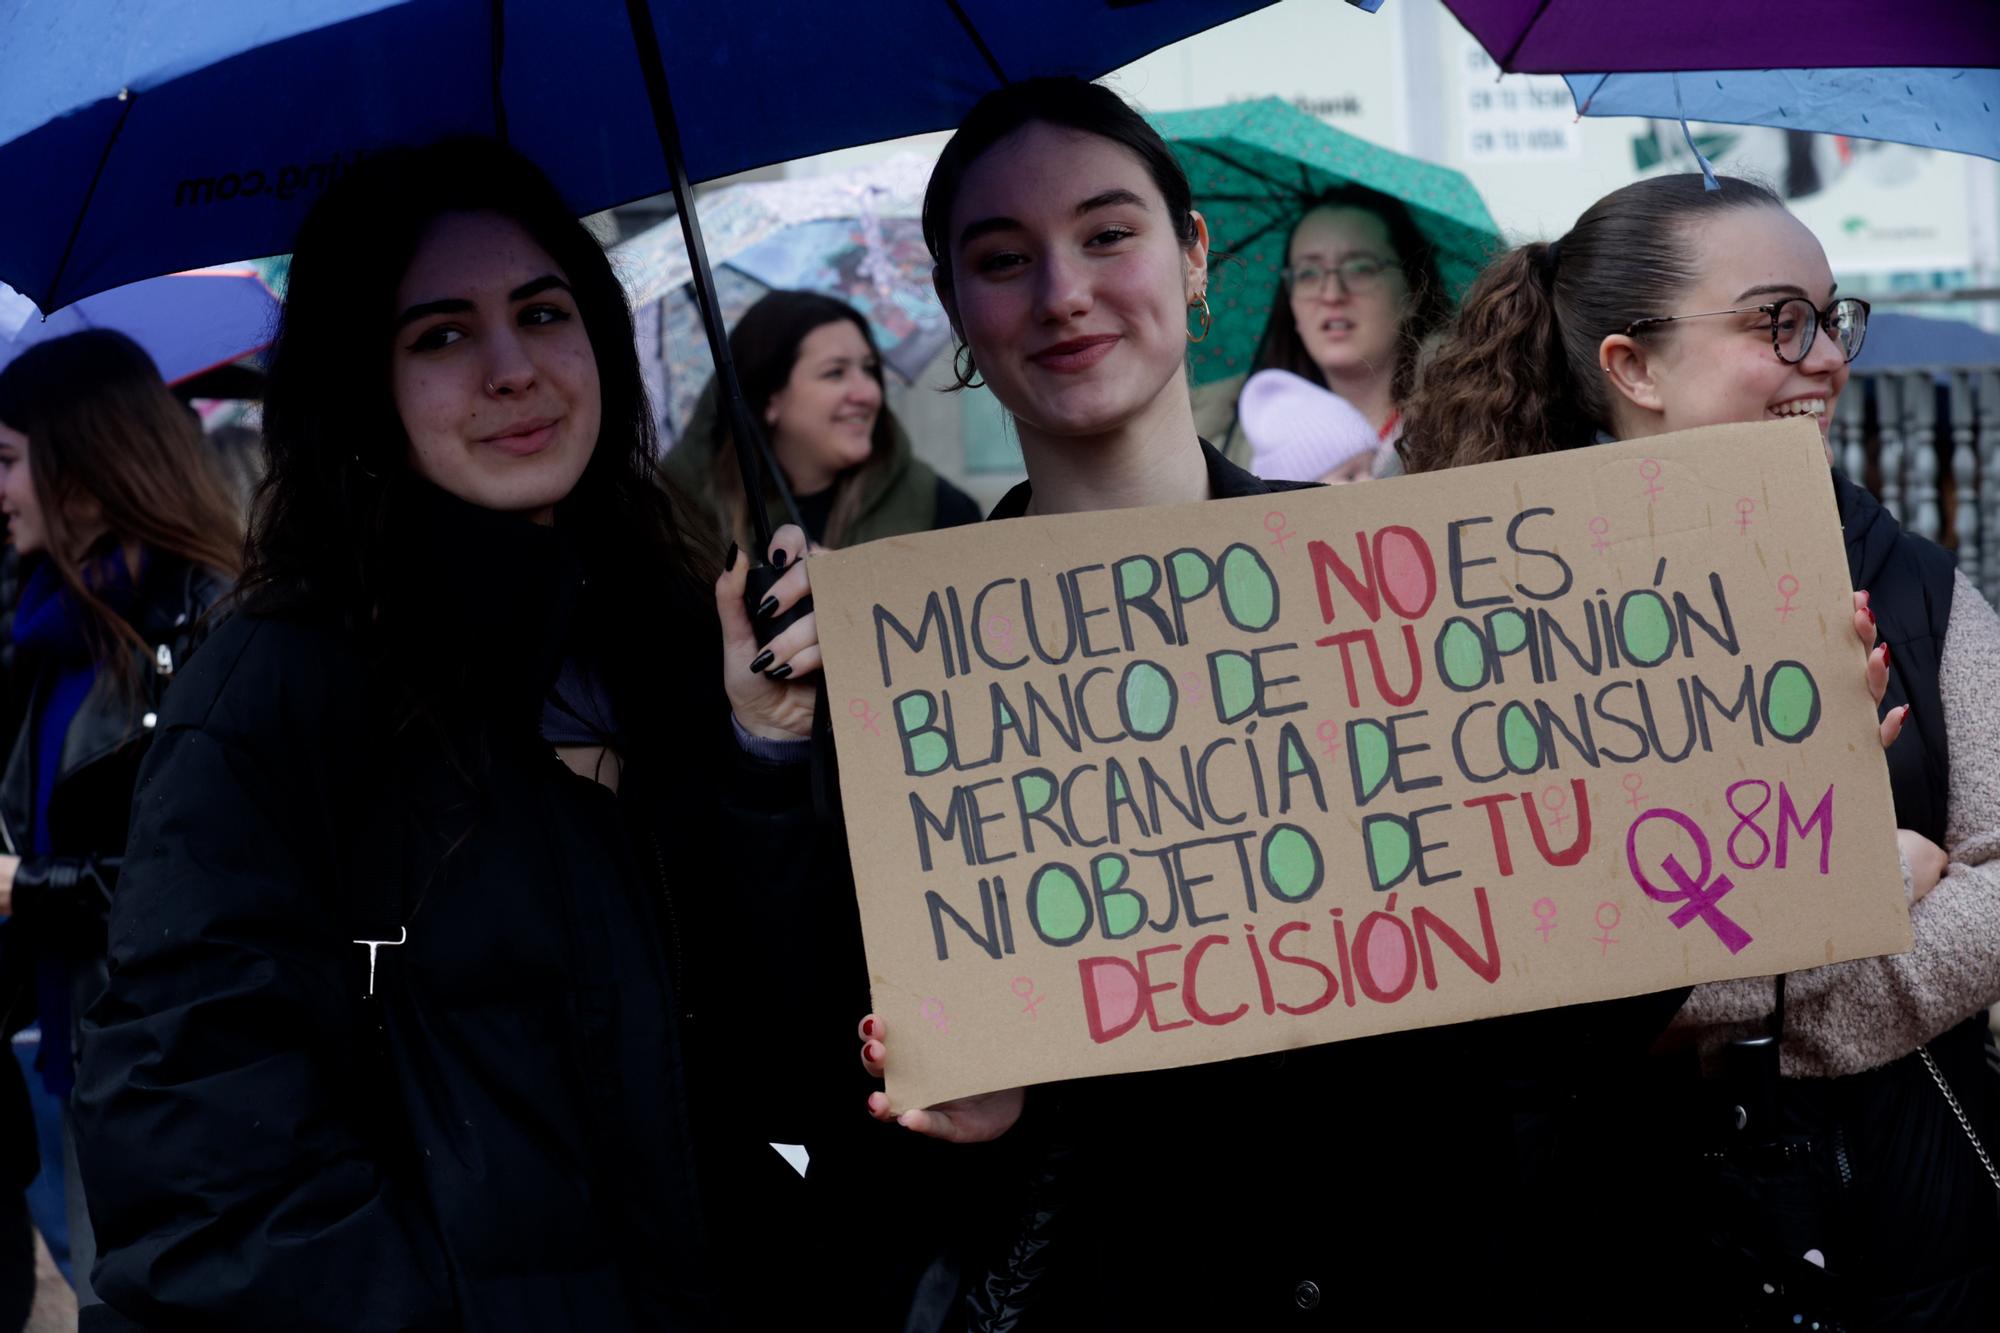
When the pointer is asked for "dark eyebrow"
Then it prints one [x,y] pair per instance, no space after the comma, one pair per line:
[987,226]
[535,287]
[459,305]
[1771,289]
[1107,199]
[425,309]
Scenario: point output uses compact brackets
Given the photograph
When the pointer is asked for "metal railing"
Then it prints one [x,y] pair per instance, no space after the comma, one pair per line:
[1927,441]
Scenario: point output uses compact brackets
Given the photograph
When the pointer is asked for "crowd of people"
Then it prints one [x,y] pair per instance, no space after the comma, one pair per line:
[379,878]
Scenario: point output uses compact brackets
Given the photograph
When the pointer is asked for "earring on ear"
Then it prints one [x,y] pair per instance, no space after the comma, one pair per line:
[964,371]
[1200,306]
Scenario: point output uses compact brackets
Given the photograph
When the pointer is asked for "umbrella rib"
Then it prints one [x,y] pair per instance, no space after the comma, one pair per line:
[1234,165]
[128,97]
[972,31]
[1245,242]
[1507,61]
[497,26]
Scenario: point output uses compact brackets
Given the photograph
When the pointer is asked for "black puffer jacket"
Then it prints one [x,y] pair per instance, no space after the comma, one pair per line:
[551,1113]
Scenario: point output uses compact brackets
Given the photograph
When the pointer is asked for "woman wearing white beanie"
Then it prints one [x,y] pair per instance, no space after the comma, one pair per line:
[1299,431]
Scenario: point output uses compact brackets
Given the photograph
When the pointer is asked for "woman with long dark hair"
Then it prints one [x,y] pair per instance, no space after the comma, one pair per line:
[1398,1180]
[1669,305]
[128,539]
[1358,297]
[812,376]
[457,887]
[1074,267]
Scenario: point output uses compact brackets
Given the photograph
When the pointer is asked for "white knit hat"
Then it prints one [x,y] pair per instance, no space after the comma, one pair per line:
[1299,431]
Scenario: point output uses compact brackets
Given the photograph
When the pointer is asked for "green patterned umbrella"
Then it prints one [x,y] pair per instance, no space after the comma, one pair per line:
[1256,165]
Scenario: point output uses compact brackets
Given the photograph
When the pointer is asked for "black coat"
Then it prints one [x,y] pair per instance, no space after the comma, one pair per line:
[1917,1218]
[552,1112]
[62,898]
[1426,1179]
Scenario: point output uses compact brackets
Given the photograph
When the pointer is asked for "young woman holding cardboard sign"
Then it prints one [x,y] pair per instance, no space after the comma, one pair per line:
[1318,1184]
[1671,305]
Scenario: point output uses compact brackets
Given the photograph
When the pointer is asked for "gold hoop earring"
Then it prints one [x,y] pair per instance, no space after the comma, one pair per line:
[1200,306]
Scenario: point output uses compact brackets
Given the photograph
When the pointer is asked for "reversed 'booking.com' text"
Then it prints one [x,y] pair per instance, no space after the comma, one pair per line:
[280,182]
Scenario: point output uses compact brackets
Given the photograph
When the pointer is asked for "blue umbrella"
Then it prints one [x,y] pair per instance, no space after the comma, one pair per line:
[163,134]
[166,134]
[189,323]
[1899,341]
[1954,109]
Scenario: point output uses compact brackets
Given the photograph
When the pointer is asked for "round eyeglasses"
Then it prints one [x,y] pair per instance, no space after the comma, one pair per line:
[1795,322]
[1356,274]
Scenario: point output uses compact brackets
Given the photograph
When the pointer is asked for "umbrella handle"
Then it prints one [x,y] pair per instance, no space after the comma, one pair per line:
[753,453]
[761,580]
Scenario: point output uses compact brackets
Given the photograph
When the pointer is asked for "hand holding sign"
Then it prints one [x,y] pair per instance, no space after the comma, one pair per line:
[976,1119]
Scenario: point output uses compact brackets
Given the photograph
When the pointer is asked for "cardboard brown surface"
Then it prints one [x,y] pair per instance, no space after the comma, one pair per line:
[1188,871]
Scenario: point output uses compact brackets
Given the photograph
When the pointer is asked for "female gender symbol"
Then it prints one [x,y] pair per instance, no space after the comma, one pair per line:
[1787,587]
[1274,523]
[933,1013]
[1554,801]
[859,708]
[1605,941]
[1026,990]
[1696,893]
[1631,784]
[1598,527]
[1744,508]
[1545,913]
[1650,470]
[1002,630]
[1327,731]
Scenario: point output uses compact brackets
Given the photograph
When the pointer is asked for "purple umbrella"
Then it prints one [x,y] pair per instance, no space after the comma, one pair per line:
[1571,36]
[187,322]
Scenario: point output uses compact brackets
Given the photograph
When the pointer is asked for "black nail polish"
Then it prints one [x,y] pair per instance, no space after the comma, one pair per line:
[779,673]
[778,558]
[767,606]
[761,661]
[729,561]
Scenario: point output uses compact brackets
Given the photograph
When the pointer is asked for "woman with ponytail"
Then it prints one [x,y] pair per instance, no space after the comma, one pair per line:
[1669,306]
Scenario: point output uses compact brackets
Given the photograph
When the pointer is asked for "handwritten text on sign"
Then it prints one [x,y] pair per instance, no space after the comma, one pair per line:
[1140,789]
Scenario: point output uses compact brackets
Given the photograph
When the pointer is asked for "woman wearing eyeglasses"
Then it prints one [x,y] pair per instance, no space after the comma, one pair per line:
[1670,306]
[1359,293]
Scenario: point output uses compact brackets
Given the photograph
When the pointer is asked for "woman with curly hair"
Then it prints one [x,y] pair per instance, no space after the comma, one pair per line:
[1668,306]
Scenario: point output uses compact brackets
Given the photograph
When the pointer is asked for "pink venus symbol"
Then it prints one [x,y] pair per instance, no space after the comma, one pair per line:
[1787,588]
[1650,471]
[1274,523]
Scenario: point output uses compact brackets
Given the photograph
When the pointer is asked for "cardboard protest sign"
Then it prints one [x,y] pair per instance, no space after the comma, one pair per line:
[1154,787]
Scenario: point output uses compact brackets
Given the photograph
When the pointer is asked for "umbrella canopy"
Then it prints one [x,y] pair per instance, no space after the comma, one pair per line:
[1255,166]
[855,235]
[739,218]
[188,323]
[1898,342]
[164,134]
[1953,109]
[1564,36]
